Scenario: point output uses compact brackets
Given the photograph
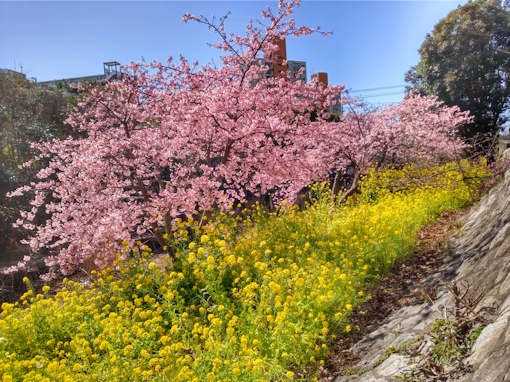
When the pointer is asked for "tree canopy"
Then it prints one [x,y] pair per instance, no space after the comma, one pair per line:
[168,141]
[465,61]
[28,114]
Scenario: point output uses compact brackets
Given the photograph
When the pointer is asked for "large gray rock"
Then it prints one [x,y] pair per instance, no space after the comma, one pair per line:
[480,258]
[491,338]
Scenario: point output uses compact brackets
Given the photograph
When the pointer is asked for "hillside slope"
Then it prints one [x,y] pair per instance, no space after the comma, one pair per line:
[463,333]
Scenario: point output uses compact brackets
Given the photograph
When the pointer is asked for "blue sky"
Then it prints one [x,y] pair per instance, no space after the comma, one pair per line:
[373,45]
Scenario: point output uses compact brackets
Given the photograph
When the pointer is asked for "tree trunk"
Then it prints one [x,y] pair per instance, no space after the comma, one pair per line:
[336,185]
[352,189]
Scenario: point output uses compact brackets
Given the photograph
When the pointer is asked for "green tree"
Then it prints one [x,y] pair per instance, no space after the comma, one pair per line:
[27,114]
[465,61]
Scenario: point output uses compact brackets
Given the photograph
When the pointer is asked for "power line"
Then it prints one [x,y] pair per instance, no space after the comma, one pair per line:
[380,95]
[384,94]
[381,88]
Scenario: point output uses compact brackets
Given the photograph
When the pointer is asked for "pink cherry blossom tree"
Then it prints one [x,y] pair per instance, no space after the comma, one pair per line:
[419,129]
[172,139]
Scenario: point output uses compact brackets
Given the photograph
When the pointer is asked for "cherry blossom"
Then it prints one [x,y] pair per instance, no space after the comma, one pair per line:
[169,140]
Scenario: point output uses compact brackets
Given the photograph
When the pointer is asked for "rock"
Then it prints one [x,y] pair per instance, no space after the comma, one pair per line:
[493,369]
[500,237]
[491,337]
[505,306]
[394,365]
[403,339]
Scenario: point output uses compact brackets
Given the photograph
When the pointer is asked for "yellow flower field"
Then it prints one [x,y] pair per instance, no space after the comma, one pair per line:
[258,298]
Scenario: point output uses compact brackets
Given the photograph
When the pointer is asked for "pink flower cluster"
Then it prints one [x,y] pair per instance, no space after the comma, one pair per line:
[169,140]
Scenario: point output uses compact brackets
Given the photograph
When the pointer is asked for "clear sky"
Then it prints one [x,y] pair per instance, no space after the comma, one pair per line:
[373,45]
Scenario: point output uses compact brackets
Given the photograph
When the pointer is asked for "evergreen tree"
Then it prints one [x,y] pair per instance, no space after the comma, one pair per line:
[465,61]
